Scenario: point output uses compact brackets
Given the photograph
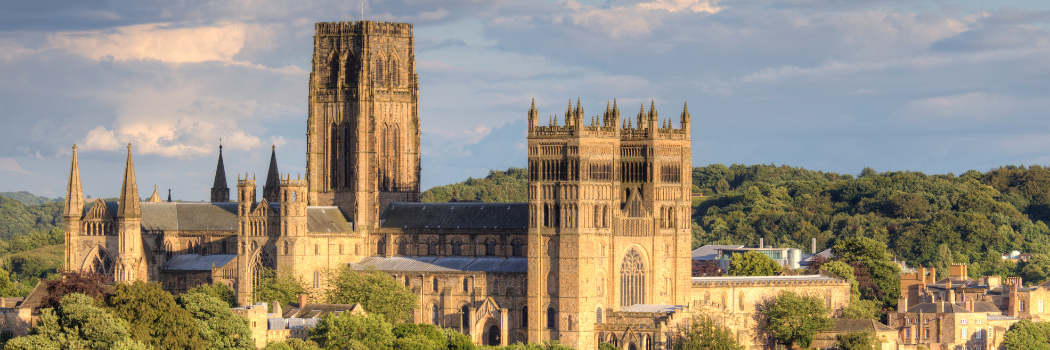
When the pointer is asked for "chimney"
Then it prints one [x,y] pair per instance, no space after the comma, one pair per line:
[951,296]
[902,304]
[932,277]
[761,242]
[969,305]
[948,284]
[813,246]
[302,300]
[277,308]
[940,307]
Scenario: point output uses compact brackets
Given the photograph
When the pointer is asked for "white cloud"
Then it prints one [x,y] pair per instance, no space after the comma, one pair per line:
[158,41]
[11,165]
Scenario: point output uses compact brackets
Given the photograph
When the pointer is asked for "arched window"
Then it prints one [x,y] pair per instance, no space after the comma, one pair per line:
[517,247]
[402,247]
[435,283]
[333,71]
[741,301]
[317,249]
[524,317]
[435,315]
[395,74]
[490,247]
[317,279]
[632,279]
[432,247]
[598,315]
[380,79]
[255,246]
[380,247]
[285,248]
[552,318]
[466,284]
[224,247]
[456,249]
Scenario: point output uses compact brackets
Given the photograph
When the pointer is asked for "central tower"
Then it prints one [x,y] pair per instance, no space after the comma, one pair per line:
[362,133]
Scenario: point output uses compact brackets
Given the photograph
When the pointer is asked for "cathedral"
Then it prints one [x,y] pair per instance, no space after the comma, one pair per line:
[599,253]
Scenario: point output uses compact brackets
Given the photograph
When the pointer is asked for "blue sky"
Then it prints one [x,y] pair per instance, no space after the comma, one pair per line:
[834,85]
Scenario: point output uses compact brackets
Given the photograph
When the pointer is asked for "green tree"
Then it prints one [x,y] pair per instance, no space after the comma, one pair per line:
[457,340]
[218,290]
[856,341]
[845,271]
[705,334]
[412,336]
[607,346]
[752,263]
[1037,269]
[793,319]
[154,316]
[218,325]
[77,323]
[346,330]
[863,309]
[376,291]
[282,289]
[873,256]
[1027,335]
[8,288]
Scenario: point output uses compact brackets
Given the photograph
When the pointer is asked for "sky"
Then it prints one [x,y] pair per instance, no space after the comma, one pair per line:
[832,85]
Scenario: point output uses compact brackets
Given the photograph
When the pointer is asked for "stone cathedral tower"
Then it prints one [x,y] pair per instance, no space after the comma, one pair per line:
[363,126]
[609,213]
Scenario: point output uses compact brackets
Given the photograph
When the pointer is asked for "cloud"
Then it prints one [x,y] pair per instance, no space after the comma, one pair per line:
[159,41]
[10,165]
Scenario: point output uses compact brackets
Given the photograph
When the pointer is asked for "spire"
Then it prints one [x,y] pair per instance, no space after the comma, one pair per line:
[169,195]
[684,122]
[219,191]
[128,207]
[155,198]
[272,189]
[641,115]
[74,191]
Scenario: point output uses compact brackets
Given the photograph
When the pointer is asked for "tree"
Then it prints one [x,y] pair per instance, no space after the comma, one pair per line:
[752,263]
[1037,269]
[354,331]
[376,291]
[77,323]
[1027,335]
[7,288]
[704,334]
[412,336]
[457,340]
[845,271]
[907,206]
[218,325]
[794,319]
[706,268]
[282,289]
[154,316]
[218,290]
[92,284]
[873,256]
[856,341]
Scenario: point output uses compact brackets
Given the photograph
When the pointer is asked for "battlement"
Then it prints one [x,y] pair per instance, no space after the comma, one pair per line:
[293,183]
[751,281]
[362,27]
[245,182]
[609,124]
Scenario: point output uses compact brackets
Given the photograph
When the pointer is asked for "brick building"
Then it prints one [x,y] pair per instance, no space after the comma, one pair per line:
[600,252]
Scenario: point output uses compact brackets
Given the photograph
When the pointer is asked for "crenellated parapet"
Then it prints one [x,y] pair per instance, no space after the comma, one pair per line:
[574,123]
[362,27]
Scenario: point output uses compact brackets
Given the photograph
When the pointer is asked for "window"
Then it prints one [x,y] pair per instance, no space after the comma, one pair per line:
[598,315]
[977,321]
[964,334]
[490,247]
[408,282]
[317,279]
[963,321]
[435,283]
[926,334]
[907,333]
[402,247]
[224,252]
[1022,305]
[379,72]
[340,249]
[552,318]
[432,247]
[979,334]
[632,279]
[517,248]
[317,250]
[466,285]
[524,316]
[435,316]
[285,248]
[380,247]
[456,249]
[465,318]
[926,321]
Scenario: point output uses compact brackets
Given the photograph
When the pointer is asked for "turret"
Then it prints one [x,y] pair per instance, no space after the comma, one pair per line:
[219,191]
[272,190]
[131,264]
[533,117]
[73,212]
[293,207]
[245,194]
[684,121]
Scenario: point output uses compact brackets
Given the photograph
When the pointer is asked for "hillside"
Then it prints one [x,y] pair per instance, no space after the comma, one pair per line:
[498,186]
[28,198]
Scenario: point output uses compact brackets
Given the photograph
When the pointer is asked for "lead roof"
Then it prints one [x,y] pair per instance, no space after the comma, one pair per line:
[445,264]
[456,215]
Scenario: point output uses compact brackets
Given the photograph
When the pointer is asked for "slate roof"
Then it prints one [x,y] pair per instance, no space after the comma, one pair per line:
[326,219]
[845,325]
[651,308]
[710,251]
[803,278]
[317,310]
[456,215]
[194,262]
[204,216]
[446,264]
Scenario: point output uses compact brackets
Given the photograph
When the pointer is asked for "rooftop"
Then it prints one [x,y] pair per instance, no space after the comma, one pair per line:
[446,264]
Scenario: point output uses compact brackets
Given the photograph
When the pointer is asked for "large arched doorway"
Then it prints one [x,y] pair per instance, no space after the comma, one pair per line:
[492,337]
